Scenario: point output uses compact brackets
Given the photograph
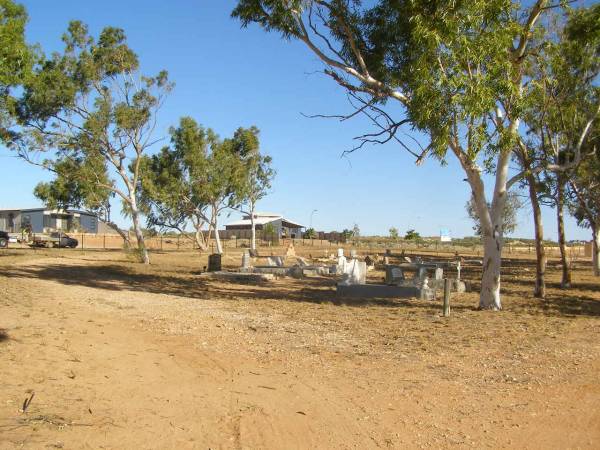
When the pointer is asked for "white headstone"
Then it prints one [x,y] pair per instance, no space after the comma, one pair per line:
[439,273]
[340,252]
[245,260]
[355,272]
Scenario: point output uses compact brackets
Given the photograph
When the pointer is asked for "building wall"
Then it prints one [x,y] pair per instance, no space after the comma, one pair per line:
[35,218]
[89,223]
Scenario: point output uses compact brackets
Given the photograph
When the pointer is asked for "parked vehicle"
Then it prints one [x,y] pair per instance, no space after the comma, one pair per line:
[4,238]
[54,239]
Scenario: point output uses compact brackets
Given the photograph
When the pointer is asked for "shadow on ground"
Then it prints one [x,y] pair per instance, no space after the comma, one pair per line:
[318,290]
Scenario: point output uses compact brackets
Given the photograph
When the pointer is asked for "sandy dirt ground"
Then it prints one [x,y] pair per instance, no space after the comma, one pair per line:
[100,352]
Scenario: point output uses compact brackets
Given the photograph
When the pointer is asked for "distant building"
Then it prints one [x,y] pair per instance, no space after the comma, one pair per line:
[283,228]
[43,220]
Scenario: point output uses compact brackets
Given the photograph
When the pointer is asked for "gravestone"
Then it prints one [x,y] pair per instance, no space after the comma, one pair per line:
[355,272]
[245,260]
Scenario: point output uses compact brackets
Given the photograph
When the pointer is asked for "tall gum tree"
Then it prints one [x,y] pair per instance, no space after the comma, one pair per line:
[91,103]
[455,68]
[174,181]
[562,106]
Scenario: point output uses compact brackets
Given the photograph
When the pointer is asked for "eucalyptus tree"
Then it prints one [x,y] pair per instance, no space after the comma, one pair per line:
[90,106]
[173,182]
[455,71]
[258,174]
[71,188]
[563,102]
[585,188]
[16,59]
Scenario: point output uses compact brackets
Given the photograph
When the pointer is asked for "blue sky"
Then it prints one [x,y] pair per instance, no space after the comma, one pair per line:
[228,77]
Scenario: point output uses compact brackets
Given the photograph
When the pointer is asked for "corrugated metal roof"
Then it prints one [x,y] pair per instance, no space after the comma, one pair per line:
[262,220]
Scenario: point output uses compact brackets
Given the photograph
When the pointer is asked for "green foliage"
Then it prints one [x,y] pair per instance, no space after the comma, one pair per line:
[16,60]
[269,233]
[75,185]
[310,233]
[562,99]
[90,115]
[257,173]
[394,233]
[346,234]
[450,61]
[174,181]
[585,192]
[200,175]
[412,235]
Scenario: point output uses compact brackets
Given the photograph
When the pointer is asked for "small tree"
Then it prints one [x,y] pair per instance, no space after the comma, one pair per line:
[346,235]
[394,233]
[89,107]
[269,233]
[356,234]
[310,233]
[412,235]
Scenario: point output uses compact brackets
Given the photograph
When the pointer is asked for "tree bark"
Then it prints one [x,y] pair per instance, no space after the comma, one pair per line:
[490,219]
[217,237]
[560,200]
[489,298]
[596,250]
[200,241]
[141,244]
[540,252]
[253,226]
[124,235]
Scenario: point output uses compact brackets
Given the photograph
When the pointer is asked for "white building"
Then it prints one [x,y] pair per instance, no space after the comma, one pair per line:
[282,227]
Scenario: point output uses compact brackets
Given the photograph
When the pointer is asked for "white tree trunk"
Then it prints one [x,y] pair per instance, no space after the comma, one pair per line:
[490,220]
[596,251]
[253,227]
[141,244]
[199,236]
[217,237]
[489,297]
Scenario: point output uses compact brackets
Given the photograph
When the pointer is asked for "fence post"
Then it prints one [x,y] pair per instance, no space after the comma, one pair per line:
[447,282]
[82,244]
[104,241]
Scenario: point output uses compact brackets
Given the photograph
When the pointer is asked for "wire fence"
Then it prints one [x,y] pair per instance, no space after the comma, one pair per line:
[170,242]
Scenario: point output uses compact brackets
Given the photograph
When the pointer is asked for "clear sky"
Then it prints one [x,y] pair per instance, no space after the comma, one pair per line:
[228,77]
